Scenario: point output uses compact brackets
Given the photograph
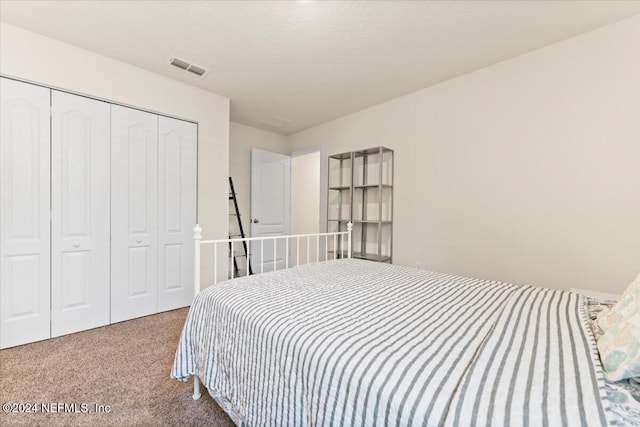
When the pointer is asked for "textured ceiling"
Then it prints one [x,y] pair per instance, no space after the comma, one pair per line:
[312,61]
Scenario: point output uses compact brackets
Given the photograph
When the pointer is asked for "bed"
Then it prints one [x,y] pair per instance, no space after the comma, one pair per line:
[351,342]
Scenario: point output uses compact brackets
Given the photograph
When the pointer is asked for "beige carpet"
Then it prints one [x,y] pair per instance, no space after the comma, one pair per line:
[125,366]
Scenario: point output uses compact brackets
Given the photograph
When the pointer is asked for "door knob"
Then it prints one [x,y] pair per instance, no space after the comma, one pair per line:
[139,241]
[255,221]
[76,245]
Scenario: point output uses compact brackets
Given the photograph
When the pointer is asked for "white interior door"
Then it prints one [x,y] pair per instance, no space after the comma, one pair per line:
[24,213]
[270,208]
[80,139]
[177,170]
[134,213]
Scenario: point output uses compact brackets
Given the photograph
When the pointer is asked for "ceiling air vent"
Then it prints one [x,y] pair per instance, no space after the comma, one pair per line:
[198,71]
[187,66]
[276,122]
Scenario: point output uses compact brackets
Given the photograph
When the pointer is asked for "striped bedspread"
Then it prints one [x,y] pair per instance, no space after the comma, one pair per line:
[357,343]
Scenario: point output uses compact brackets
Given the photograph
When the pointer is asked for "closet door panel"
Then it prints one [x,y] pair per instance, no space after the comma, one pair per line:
[177,170]
[134,213]
[80,141]
[24,213]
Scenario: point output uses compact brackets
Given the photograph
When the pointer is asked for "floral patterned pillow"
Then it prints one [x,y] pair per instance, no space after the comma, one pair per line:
[628,304]
[619,348]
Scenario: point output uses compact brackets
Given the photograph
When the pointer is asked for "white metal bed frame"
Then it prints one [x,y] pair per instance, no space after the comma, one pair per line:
[198,243]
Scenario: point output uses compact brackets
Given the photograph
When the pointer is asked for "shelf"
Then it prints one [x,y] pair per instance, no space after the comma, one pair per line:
[361,221]
[367,186]
[370,257]
[359,255]
[343,156]
[370,151]
[359,188]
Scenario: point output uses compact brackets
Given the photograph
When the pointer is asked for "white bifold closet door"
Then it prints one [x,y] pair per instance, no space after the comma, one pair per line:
[153,211]
[177,170]
[80,139]
[134,213]
[24,213]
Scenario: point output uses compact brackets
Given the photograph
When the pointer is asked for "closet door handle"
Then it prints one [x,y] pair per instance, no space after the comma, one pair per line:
[76,245]
[138,240]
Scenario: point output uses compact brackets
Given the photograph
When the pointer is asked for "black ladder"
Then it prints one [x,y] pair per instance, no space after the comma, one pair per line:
[232,196]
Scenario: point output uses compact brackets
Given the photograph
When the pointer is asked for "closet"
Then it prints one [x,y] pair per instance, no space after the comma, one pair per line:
[25,239]
[79,213]
[153,205]
[97,206]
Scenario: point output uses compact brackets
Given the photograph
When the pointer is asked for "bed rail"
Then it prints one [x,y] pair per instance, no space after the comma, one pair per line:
[333,238]
[338,252]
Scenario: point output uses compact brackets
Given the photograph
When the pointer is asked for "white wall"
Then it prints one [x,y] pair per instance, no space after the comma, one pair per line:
[30,56]
[527,171]
[305,204]
[305,193]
